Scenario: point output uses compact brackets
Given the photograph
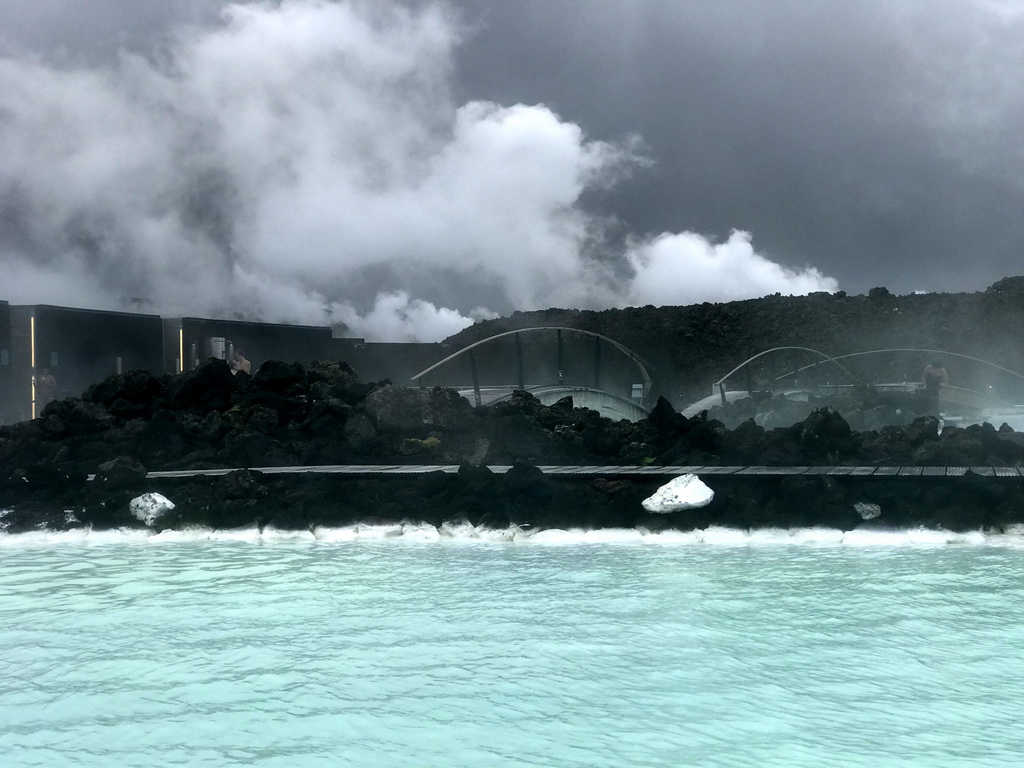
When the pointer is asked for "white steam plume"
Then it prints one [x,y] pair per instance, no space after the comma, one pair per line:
[678,269]
[305,161]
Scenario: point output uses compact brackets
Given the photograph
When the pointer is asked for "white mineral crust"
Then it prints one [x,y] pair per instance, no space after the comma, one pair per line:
[683,492]
[867,510]
[150,506]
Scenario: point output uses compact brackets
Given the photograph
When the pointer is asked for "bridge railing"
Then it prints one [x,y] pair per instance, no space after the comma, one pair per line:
[848,378]
[643,367]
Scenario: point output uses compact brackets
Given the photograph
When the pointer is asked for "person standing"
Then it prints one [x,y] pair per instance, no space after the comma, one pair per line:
[934,379]
[46,389]
[239,363]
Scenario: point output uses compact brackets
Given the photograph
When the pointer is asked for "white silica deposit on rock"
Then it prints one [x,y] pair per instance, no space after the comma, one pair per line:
[867,510]
[149,507]
[683,492]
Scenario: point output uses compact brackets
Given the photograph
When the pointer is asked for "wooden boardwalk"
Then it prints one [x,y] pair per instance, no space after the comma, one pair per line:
[371,470]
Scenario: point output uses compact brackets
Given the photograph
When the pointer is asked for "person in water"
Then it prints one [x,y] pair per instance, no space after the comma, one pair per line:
[934,379]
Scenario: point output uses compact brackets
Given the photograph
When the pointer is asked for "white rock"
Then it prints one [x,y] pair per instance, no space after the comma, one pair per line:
[149,507]
[867,510]
[683,492]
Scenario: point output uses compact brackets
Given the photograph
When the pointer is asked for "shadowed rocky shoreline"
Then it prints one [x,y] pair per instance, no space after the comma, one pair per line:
[285,415]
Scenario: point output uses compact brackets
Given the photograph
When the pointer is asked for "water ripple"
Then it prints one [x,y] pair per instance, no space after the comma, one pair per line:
[221,653]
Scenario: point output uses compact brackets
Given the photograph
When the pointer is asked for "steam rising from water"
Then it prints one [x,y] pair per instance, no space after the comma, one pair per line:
[306,162]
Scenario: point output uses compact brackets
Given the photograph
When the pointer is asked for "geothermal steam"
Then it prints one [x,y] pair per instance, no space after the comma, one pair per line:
[306,162]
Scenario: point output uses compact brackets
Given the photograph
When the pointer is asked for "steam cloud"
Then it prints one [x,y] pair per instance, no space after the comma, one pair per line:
[305,162]
[714,272]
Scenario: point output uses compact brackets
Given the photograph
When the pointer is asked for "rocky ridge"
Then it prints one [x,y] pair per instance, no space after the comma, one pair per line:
[692,346]
[287,415]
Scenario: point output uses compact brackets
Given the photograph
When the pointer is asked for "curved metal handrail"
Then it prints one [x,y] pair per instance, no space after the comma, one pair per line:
[827,358]
[920,351]
[985,395]
[913,387]
[640,363]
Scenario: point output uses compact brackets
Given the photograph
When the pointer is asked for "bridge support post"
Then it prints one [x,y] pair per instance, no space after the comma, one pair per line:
[519,362]
[616,346]
[476,379]
[561,358]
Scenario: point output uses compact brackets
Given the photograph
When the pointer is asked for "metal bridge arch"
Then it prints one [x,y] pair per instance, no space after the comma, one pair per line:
[923,352]
[719,386]
[642,365]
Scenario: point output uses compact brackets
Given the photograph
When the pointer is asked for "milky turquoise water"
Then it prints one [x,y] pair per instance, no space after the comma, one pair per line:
[433,653]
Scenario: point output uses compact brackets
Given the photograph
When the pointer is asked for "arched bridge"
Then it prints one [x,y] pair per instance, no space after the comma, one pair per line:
[549,372]
[992,385]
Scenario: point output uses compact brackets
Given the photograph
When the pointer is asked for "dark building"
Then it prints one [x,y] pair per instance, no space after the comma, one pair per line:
[77,347]
[80,347]
[187,341]
[6,394]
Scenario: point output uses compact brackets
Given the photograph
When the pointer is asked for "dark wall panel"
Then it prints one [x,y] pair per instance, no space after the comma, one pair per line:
[81,347]
[259,341]
[7,403]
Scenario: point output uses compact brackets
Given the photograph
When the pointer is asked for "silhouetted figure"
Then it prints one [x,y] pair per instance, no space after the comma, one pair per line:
[46,389]
[239,363]
[934,379]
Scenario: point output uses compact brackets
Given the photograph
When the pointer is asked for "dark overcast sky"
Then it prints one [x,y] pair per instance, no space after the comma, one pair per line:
[832,131]
[874,141]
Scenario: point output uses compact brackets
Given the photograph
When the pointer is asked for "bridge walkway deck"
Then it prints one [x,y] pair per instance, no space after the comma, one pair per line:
[370,470]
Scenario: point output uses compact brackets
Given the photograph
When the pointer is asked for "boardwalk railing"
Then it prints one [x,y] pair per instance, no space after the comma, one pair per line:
[369,470]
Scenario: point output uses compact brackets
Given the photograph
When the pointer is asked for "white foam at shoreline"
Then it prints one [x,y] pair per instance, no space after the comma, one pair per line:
[714,536]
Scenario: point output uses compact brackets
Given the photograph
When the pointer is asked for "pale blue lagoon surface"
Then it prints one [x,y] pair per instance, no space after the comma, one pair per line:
[390,653]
